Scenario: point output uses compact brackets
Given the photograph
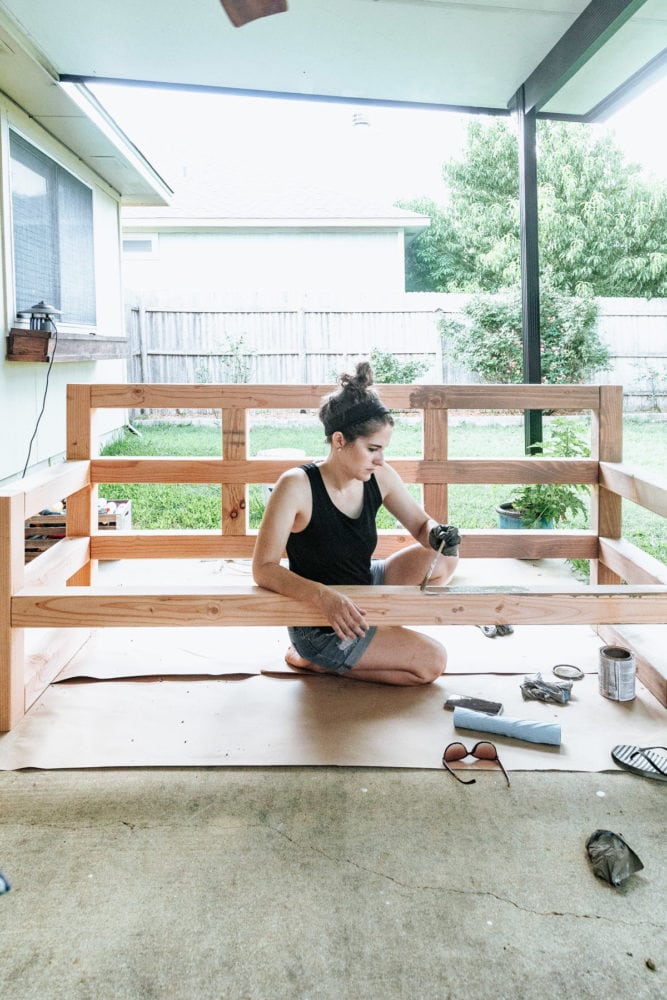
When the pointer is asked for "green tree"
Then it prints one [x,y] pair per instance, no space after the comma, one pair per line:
[601,227]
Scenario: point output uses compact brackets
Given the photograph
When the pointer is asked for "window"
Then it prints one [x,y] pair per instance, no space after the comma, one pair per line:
[142,247]
[52,228]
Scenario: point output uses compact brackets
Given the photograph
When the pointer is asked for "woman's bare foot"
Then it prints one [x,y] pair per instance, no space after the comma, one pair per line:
[293,659]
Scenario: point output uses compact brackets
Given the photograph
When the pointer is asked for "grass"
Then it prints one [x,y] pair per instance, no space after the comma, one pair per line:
[193,506]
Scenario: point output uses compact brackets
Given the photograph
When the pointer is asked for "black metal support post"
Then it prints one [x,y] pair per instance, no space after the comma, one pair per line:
[530,271]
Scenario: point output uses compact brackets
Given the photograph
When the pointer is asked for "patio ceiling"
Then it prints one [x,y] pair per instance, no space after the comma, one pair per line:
[574,57]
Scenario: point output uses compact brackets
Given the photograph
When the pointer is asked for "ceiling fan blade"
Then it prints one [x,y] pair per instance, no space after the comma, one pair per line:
[242,11]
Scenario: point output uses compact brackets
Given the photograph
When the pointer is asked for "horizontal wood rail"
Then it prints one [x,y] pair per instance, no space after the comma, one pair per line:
[153,607]
[476,544]
[57,592]
[257,470]
[397,397]
[637,485]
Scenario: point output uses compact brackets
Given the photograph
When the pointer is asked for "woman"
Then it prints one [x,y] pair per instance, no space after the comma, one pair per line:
[323,514]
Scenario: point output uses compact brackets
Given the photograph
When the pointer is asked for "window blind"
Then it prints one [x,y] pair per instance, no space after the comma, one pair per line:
[52,227]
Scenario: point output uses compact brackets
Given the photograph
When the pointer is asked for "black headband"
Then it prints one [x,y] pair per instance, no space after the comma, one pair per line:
[355,414]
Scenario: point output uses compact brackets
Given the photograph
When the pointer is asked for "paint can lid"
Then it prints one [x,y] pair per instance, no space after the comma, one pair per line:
[568,671]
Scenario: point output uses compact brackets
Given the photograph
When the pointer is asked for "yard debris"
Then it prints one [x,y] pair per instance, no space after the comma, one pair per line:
[613,860]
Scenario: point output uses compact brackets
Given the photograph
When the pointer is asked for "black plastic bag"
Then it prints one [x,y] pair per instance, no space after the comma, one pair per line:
[611,857]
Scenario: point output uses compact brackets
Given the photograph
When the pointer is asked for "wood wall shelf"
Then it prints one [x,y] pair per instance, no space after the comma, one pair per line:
[40,345]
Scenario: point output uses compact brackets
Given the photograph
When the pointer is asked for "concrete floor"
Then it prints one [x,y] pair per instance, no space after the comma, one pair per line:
[323,883]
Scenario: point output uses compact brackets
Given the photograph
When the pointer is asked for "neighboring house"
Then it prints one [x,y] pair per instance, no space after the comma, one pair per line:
[239,232]
[66,169]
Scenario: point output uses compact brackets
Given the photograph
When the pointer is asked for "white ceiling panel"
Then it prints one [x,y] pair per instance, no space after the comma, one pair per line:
[461,54]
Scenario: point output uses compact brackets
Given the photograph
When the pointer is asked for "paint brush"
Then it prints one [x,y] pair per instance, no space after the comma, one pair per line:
[429,571]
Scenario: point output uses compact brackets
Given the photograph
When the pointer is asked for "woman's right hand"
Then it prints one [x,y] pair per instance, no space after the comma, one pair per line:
[346,618]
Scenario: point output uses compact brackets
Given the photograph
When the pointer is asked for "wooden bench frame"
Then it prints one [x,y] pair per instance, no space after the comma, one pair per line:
[57,592]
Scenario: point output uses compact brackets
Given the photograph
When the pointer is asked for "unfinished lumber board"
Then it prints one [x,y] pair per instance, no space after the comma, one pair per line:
[111,607]
[477,543]
[12,649]
[637,485]
[42,489]
[46,655]
[412,470]
[630,562]
[269,397]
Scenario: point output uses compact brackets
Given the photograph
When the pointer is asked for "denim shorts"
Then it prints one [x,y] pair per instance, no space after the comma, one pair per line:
[323,647]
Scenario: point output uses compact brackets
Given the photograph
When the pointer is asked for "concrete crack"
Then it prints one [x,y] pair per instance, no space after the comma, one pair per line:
[461,892]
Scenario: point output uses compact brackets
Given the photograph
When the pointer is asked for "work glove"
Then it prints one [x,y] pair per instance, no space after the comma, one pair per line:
[451,536]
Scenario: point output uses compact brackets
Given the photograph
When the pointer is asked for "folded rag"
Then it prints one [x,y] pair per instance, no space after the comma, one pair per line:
[535,688]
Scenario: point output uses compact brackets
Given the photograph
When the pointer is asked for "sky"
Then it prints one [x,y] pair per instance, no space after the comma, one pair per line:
[396,153]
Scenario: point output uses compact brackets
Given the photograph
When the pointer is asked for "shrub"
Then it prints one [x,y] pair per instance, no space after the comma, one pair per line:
[386,368]
[490,342]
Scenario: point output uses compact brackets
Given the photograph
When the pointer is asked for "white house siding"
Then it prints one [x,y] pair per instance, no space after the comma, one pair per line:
[22,384]
[365,260]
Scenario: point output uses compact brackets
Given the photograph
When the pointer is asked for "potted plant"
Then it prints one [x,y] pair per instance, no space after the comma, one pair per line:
[544,505]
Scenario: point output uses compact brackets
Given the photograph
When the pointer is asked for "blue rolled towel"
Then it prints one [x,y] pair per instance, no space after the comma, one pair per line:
[518,729]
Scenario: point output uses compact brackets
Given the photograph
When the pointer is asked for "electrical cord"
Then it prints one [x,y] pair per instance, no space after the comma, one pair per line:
[46,389]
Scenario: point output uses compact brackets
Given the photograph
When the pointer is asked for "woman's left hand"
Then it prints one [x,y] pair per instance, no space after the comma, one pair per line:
[346,618]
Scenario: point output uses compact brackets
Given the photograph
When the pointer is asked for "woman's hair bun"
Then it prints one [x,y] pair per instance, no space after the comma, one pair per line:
[357,384]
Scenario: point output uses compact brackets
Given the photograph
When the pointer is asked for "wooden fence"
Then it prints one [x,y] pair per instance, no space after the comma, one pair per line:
[177,338]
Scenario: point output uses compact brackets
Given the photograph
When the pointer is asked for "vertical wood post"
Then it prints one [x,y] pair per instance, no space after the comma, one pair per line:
[234,496]
[606,509]
[82,505]
[436,447]
[12,646]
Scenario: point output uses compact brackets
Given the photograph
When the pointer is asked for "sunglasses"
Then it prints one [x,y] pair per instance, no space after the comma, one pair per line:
[482,751]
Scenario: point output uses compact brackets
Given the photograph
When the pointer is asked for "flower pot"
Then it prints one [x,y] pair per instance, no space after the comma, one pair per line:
[509,517]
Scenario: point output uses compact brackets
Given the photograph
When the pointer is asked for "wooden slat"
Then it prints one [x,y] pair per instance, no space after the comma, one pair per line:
[58,563]
[533,543]
[411,470]
[234,496]
[477,543]
[436,443]
[637,485]
[268,397]
[11,579]
[509,470]
[79,422]
[44,661]
[630,563]
[606,509]
[107,607]
[82,504]
[504,397]
[41,489]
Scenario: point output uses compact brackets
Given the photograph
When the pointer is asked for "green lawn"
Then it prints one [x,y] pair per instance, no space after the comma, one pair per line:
[196,506]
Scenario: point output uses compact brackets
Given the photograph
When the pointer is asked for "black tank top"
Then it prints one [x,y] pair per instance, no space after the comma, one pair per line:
[334,548]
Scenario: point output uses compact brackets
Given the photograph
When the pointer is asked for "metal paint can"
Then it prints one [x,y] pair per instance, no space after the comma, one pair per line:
[616,675]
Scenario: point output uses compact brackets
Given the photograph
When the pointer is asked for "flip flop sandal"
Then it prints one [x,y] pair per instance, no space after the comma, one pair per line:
[490,631]
[642,760]
[504,630]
